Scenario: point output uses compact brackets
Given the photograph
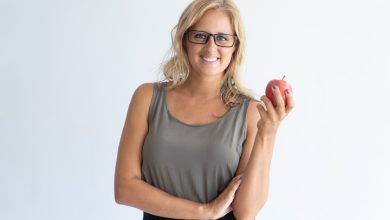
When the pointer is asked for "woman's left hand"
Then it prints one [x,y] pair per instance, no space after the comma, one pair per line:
[271,116]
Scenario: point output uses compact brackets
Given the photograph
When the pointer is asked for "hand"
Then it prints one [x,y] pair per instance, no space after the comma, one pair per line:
[222,204]
[271,116]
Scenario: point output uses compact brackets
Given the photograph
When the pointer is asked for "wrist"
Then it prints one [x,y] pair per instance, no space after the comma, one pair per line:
[266,134]
[265,139]
[205,211]
[265,143]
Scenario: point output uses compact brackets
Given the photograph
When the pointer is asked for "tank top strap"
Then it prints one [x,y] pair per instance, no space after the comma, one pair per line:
[157,102]
[237,118]
[244,108]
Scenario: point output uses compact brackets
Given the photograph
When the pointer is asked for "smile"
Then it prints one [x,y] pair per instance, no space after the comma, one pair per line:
[210,59]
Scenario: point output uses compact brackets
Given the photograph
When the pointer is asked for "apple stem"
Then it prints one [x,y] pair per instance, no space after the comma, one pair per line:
[284,76]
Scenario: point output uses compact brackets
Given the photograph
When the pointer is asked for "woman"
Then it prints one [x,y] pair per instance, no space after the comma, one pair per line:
[197,146]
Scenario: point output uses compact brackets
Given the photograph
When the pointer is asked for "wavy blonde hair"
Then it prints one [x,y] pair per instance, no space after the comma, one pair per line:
[176,68]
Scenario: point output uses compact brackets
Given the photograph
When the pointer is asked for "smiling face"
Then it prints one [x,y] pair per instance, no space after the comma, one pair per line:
[209,59]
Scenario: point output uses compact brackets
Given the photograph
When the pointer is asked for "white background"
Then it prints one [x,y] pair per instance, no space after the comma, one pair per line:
[68,70]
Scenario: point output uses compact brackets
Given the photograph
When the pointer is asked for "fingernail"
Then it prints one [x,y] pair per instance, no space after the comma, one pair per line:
[288,91]
[242,177]
[274,87]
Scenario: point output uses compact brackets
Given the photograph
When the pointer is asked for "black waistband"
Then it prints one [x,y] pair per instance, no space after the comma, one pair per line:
[148,216]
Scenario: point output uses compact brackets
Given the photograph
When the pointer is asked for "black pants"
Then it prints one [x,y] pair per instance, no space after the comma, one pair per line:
[148,216]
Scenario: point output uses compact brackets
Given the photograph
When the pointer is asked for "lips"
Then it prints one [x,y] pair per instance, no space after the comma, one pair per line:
[209,59]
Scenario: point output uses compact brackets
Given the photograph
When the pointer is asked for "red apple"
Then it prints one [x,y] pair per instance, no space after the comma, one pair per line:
[283,86]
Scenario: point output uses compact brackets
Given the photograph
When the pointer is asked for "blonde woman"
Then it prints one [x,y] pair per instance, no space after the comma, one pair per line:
[197,146]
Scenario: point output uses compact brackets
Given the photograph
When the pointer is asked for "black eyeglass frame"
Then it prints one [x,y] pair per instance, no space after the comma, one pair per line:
[212,35]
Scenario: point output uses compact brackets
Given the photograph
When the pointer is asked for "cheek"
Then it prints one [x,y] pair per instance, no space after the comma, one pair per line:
[228,55]
[191,52]
[192,57]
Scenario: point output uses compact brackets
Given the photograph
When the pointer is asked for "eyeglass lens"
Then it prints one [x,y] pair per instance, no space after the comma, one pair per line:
[201,37]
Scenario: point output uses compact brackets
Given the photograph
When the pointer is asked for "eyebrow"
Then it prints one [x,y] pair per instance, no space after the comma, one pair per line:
[222,33]
[212,33]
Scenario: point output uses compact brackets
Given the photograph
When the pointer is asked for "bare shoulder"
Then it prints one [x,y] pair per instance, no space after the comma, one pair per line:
[142,96]
[139,105]
[136,123]
[144,91]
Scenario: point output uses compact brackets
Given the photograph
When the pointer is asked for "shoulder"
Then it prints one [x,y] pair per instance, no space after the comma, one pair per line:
[142,96]
[143,90]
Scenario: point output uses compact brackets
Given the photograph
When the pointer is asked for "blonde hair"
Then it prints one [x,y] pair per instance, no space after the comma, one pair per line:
[176,68]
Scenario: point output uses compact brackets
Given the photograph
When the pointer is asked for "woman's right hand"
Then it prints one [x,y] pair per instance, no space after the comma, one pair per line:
[222,204]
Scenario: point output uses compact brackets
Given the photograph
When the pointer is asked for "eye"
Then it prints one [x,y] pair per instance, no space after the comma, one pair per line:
[222,37]
[200,35]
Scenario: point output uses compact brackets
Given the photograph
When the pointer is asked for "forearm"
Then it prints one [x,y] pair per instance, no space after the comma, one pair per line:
[139,194]
[253,191]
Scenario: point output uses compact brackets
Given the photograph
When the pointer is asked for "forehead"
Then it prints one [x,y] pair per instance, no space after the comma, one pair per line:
[215,21]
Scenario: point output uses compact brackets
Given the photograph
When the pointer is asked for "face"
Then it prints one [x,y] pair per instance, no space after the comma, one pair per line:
[209,59]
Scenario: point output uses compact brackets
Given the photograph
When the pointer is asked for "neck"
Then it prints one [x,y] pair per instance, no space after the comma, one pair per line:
[203,87]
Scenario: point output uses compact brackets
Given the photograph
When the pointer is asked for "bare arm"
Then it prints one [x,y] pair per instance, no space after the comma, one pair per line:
[263,121]
[131,190]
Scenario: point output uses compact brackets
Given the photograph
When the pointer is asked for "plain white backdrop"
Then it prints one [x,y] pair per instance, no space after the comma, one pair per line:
[68,70]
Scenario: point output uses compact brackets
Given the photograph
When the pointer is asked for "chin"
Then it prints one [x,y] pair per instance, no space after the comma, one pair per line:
[210,72]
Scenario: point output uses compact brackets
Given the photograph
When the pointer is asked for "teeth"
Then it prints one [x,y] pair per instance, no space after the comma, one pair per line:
[210,59]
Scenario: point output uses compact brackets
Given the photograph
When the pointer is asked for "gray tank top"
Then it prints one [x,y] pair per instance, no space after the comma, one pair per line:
[194,162]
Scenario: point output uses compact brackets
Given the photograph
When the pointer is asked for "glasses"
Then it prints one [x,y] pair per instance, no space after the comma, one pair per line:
[202,37]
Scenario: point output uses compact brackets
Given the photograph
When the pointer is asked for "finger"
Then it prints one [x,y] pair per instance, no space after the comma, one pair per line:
[236,185]
[262,109]
[262,104]
[290,101]
[268,104]
[229,209]
[238,177]
[233,186]
[278,98]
